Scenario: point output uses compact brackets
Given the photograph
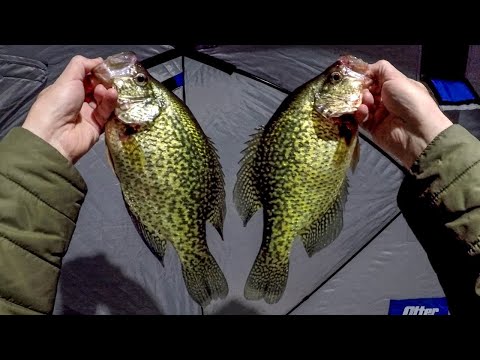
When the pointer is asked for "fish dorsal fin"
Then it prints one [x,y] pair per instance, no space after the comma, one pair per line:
[325,229]
[355,156]
[216,208]
[246,195]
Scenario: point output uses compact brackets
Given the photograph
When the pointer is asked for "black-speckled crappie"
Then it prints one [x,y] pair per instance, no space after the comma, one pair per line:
[169,172]
[295,168]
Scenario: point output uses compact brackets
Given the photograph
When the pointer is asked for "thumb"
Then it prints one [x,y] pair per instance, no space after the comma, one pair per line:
[383,70]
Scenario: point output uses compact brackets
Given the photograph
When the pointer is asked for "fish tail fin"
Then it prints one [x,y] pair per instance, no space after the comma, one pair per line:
[267,279]
[205,281]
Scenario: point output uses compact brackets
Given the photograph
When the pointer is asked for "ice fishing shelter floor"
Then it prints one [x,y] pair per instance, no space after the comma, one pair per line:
[109,270]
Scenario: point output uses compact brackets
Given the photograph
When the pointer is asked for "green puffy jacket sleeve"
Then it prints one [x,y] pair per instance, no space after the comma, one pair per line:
[40,199]
[440,200]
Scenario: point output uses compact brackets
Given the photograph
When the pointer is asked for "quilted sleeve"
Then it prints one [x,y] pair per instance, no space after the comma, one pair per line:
[41,194]
[440,200]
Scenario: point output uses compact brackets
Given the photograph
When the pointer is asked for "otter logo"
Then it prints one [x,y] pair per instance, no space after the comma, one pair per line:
[419,310]
[424,306]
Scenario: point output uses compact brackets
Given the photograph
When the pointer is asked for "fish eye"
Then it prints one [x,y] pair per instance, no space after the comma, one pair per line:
[140,79]
[336,76]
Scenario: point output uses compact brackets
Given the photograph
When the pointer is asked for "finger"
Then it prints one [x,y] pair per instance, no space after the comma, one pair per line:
[99,93]
[106,102]
[366,109]
[78,68]
[89,87]
[88,127]
[380,113]
[383,70]
[375,88]
[368,123]
[367,98]
[107,97]
[361,114]
[86,112]
[89,121]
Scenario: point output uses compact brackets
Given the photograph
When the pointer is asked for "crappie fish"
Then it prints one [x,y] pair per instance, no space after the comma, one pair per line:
[295,168]
[169,172]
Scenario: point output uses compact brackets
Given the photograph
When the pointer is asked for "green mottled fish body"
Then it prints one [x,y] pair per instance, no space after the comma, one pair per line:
[171,179]
[295,169]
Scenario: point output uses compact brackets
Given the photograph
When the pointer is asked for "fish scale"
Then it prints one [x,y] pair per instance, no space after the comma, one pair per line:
[295,168]
[170,175]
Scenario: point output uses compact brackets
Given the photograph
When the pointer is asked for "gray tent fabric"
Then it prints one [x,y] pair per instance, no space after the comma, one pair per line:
[109,270]
[392,266]
[21,80]
[229,112]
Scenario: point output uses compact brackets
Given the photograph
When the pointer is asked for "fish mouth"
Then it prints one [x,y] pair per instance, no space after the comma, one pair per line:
[117,65]
[354,63]
[356,68]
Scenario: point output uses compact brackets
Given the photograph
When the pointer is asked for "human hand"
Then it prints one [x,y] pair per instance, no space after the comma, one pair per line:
[400,113]
[63,114]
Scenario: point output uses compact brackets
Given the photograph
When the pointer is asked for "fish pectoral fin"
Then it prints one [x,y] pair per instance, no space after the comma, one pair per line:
[327,227]
[156,243]
[246,195]
[355,156]
[109,158]
[216,195]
